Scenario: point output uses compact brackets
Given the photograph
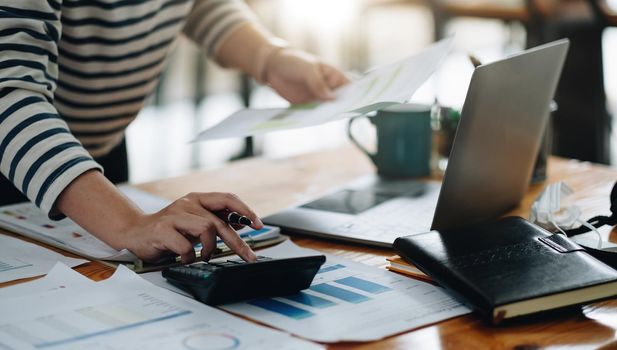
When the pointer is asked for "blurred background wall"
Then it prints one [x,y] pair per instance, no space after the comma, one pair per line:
[356,35]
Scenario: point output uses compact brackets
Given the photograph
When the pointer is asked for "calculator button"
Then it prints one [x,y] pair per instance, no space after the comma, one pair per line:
[205,267]
[203,274]
[239,261]
[223,264]
[236,261]
[263,258]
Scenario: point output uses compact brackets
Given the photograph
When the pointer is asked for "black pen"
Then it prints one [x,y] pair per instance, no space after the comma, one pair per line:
[233,218]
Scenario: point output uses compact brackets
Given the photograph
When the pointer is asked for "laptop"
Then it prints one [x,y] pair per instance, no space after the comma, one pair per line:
[502,123]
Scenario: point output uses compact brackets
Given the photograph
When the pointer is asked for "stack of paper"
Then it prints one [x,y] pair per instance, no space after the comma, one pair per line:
[20,259]
[27,220]
[66,310]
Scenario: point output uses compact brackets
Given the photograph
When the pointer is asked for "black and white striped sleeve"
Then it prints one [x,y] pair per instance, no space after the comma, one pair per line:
[210,22]
[38,153]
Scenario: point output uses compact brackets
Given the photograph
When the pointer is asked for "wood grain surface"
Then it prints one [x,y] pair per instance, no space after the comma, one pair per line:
[269,185]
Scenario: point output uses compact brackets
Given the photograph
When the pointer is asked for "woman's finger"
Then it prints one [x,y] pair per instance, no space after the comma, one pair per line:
[209,225]
[318,86]
[231,238]
[201,228]
[334,77]
[226,201]
[237,227]
[208,243]
[199,210]
[178,244]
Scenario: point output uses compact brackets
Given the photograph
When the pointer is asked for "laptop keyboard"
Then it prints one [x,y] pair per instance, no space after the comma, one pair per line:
[400,216]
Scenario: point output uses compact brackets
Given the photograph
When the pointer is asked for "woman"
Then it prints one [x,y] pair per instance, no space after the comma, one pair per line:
[75,73]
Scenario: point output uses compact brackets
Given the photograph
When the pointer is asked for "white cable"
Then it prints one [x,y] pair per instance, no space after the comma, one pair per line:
[594,229]
[561,232]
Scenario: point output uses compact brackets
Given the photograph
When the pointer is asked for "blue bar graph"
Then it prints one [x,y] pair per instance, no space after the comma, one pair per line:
[330,268]
[310,300]
[364,285]
[339,293]
[281,308]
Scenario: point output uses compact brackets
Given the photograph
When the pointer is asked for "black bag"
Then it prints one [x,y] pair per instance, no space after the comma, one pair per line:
[606,256]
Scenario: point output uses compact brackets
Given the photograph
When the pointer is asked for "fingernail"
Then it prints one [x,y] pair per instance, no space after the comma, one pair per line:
[259,223]
[206,256]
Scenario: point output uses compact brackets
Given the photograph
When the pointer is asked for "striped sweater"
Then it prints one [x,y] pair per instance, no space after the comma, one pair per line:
[75,73]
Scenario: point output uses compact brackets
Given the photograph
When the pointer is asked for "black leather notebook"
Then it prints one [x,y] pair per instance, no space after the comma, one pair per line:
[509,268]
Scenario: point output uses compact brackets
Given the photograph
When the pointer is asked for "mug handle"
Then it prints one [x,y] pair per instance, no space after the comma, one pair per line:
[355,142]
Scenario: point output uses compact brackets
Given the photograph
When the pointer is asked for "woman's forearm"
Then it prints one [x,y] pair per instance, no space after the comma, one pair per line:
[99,207]
[248,49]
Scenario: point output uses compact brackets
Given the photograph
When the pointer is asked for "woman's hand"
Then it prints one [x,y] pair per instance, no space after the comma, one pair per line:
[96,205]
[189,220]
[296,75]
[300,77]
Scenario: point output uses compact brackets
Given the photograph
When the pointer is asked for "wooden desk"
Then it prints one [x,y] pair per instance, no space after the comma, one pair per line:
[270,185]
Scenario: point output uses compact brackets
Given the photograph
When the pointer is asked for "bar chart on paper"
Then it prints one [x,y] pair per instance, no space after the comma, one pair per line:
[353,302]
[331,297]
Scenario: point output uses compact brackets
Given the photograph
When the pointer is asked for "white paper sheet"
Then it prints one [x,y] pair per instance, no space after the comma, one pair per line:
[60,276]
[20,259]
[26,219]
[126,312]
[375,303]
[379,88]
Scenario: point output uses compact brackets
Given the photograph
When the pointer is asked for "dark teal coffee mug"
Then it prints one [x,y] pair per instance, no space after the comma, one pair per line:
[404,138]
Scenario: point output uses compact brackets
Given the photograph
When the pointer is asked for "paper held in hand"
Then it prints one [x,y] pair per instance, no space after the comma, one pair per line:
[377,89]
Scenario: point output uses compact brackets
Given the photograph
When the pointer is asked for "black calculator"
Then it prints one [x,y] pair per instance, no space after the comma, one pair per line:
[230,281]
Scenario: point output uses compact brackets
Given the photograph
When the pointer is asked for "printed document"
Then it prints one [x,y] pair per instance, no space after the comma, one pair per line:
[60,276]
[21,259]
[350,301]
[126,312]
[377,89]
[347,301]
